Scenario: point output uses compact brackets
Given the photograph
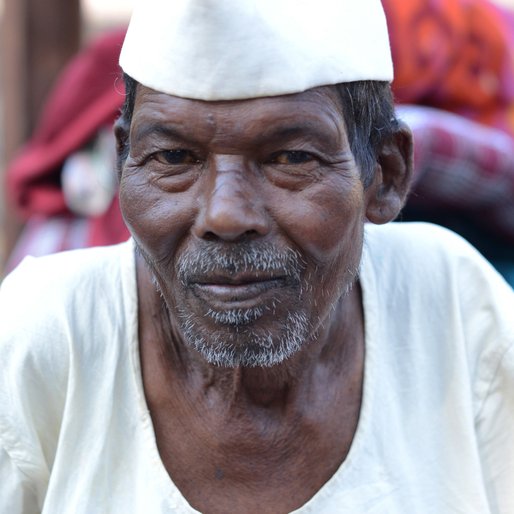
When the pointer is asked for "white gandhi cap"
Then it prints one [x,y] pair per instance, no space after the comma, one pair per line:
[237,49]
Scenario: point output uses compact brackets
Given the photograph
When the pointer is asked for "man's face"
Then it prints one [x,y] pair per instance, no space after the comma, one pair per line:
[250,216]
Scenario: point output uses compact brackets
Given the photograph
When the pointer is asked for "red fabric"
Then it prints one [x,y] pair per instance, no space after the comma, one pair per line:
[87,96]
[462,166]
[456,55]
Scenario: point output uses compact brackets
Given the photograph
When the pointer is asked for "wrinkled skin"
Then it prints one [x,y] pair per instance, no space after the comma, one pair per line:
[276,177]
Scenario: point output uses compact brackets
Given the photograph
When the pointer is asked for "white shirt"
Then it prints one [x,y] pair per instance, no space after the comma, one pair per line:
[436,430]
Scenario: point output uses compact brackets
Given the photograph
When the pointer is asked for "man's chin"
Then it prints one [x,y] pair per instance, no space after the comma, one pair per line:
[245,344]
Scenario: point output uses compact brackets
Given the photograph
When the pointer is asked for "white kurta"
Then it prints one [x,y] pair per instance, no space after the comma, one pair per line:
[436,431]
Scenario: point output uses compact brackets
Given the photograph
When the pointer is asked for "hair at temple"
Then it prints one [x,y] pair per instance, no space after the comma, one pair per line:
[368,108]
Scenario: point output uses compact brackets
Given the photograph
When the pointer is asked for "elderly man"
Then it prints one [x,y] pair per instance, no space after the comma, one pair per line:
[260,344]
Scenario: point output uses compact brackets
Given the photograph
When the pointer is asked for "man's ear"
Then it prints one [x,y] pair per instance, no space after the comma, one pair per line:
[121,132]
[388,191]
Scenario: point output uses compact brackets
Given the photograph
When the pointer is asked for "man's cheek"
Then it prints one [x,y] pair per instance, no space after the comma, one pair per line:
[324,229]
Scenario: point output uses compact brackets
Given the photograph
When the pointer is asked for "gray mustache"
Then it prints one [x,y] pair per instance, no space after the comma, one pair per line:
[211,258]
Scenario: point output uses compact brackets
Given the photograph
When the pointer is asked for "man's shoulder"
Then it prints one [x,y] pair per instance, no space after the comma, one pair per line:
[435,264]
[81,264]
[56,295]
[61,312]
[56,322]
[431,270]
[426,252]
[65,273]
[418,238]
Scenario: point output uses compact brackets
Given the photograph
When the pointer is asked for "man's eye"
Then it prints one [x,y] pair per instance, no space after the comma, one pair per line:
[291,157]
[175,157]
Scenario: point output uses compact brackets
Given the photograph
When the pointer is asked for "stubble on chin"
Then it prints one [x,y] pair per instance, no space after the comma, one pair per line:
[238,340]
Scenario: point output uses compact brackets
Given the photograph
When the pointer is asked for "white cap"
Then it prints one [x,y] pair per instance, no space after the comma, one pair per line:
[237,49]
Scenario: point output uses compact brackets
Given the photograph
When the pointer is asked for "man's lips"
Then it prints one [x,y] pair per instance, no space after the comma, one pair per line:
[238,289]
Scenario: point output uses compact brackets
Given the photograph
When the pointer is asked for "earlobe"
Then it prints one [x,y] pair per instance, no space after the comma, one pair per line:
[388,191]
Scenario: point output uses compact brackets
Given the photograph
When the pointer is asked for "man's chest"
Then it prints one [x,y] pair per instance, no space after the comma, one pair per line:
[238,466]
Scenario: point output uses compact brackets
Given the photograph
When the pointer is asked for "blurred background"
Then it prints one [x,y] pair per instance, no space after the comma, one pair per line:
[60,92]
[38,38]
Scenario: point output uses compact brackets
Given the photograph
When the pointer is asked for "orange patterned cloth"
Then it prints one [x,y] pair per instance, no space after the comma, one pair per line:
[455,55]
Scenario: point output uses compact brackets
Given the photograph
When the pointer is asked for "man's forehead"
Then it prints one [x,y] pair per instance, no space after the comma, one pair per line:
[314,111]
[298,111]
[323,98]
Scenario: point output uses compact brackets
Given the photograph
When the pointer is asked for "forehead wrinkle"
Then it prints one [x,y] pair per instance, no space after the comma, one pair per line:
[300,129]
[168,131]
[312,113]
[168,116]
[144,130]
[269,125]
[232,124]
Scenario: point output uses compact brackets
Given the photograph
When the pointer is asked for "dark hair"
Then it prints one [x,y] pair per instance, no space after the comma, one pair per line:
[368,109]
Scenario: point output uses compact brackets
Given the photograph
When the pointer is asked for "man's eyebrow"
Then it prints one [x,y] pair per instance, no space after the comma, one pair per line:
[288,132]
[168,131]
[274,133]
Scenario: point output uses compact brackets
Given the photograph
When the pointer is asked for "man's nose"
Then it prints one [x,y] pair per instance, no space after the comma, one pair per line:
[233,207]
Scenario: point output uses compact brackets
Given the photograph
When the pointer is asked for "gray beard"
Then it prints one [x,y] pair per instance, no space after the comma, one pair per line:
[239,342]
[246,347]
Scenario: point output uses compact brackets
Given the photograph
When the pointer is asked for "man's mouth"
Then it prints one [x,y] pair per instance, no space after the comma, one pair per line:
[238,291]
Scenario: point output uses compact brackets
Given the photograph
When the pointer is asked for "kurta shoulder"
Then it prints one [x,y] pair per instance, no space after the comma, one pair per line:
[448,319]
[44,291]
[59,315]
[425,245]
[52,305]
[433,260]
[426,272]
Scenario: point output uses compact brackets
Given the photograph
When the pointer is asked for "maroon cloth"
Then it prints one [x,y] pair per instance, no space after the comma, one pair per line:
[87,96]
[462,167]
